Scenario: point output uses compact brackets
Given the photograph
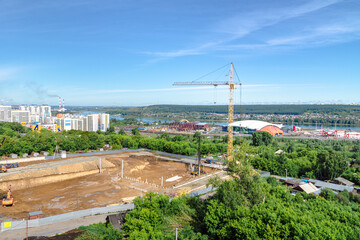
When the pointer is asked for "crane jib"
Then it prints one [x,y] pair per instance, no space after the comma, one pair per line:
[231,85]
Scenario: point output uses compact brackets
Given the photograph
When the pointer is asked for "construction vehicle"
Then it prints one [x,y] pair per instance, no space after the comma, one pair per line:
[209,159]
[195,171]
[3,169]
[8,200]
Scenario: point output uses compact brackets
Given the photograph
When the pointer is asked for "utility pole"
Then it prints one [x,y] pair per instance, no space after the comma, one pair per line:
[77,200]
[100,164]
[122,169]
[199,156]
[27,229]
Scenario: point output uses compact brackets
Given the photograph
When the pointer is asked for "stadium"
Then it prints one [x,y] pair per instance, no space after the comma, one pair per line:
[250,126]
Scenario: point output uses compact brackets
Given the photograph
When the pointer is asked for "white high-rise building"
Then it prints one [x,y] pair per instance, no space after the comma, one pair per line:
[20,116]
[93,122]
[34,118]
[45,111]
[81,124]
[85,124]
[75,124]
[64,123]
[5,113]
[104,122]
[34,110]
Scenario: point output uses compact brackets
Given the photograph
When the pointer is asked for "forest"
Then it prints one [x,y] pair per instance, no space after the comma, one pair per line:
[289,109]
[245,207]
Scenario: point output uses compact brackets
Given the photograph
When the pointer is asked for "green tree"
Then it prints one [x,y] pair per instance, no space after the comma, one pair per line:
[135,132]
[122,132]
[196,136]
[330,164]
[327,194]
[110,130]
[261,138]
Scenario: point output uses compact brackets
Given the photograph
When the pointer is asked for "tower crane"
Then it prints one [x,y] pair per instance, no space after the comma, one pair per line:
[231,85]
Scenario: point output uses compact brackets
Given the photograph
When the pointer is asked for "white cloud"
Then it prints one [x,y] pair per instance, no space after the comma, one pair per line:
[7,73]
[177,89]
[237,27]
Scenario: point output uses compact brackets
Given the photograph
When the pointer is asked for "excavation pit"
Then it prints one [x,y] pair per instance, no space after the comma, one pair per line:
[61,186]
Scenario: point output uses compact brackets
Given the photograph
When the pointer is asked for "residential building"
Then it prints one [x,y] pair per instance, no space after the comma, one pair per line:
[5,113]
[20,116]
[104,122]
[93,122]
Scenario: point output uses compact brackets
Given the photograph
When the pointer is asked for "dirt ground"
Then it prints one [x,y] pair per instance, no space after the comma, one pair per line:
[70,235]
[143,172]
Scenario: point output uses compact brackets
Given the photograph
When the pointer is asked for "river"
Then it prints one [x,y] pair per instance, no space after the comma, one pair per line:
[151,120]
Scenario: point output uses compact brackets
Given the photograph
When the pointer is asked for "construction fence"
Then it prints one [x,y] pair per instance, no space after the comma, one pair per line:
[12,225]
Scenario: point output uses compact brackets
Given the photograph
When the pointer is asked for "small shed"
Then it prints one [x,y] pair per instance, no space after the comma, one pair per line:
[307,187]
[332,186]
[117,220]
[293,182]
[63,154]
[13,155]
[44,153]
[35,154]
[343,181]
[35,215]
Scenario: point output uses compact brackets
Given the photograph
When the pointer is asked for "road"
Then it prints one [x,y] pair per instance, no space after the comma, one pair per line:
[52,229]
[200,182]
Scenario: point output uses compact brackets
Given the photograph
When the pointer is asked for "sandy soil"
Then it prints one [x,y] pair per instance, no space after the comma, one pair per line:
[143,172]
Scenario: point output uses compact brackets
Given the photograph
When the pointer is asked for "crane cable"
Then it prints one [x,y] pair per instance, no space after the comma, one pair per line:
[240,93]
[211,72]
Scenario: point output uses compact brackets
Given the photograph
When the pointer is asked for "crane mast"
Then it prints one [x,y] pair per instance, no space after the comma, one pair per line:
[231,85]
[231,113]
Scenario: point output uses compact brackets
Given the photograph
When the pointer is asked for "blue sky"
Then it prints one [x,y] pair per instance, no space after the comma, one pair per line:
[128,53]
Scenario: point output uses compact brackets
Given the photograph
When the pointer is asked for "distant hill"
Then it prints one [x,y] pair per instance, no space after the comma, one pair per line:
[287,109]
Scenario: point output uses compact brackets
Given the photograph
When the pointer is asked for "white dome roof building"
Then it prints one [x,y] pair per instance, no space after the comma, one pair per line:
[250,126]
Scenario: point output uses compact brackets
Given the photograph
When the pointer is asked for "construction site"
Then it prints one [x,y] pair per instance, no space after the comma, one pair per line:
[57,186]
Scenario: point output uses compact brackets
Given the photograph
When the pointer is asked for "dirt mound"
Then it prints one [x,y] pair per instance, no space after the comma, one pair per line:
[139,167]
[50,173]
[70,235]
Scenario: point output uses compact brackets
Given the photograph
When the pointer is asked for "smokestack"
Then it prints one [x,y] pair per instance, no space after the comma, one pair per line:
[64,104]
[59,103]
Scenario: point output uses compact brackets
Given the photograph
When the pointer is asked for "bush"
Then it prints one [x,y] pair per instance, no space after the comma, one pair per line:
[327,194]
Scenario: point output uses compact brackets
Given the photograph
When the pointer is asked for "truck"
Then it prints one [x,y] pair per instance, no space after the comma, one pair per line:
[209,159]
[3,169]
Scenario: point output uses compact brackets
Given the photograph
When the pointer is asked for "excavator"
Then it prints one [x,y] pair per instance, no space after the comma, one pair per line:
[8,200]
